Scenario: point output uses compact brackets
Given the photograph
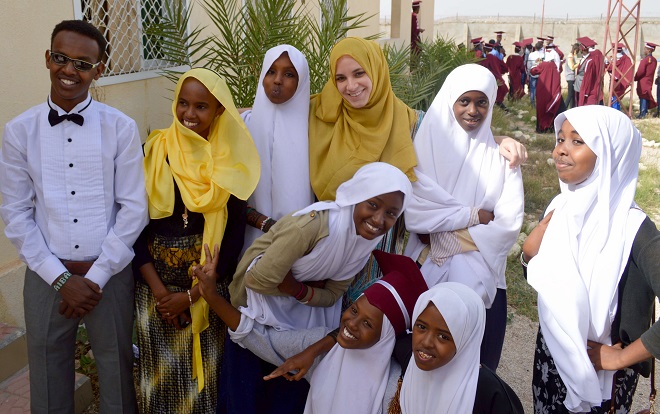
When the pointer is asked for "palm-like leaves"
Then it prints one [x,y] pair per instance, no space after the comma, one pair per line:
[246,31]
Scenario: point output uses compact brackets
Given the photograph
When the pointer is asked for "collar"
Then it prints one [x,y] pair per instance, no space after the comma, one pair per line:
[76,109]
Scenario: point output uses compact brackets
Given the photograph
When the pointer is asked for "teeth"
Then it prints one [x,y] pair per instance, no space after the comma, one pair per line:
[424,355]
[355,94]
[348,334]
[370,227]
[189,124]
[67,82]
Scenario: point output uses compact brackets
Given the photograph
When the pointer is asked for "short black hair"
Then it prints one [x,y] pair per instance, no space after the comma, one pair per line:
[84,28]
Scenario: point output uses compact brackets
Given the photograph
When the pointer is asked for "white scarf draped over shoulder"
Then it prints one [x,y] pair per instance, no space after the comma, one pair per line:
[280,133]
[585,250]
[451,388]
[339,256]
[457,171]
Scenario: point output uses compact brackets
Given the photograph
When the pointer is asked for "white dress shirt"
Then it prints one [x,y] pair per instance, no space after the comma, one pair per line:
[73,192]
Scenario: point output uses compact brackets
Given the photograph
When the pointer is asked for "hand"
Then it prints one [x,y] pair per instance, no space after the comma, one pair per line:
[424,238]
[301,363]
[172,305]
[68,311]
[604,357]
[485,216]
[512,150]
[80,295]
[290,286]
[206,275]
[533,241]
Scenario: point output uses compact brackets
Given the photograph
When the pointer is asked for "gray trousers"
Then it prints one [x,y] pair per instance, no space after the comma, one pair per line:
[51,342]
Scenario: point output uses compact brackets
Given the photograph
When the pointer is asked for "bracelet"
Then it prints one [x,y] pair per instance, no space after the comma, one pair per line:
[62,280]
[263,223]
[522,260]
[190,299]
[310,298]
[301,293]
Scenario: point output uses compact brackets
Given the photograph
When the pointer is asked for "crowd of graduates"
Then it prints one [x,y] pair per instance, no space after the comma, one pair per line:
[539,66]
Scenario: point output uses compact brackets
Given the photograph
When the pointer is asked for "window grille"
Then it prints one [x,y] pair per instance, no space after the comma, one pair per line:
[122,22]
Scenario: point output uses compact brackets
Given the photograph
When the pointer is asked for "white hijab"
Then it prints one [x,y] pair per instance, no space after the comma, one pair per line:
[280,133]
[457,171]
[585,250]
[453,387]
[352,380]
[339,256]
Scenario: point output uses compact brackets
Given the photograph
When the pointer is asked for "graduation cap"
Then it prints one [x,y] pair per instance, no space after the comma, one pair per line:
[528,41]
[417,3]
[543,39]
[650,45]
[517,44]
[550,38]
[586,42]
[499,32]
[476,41]
[489,46]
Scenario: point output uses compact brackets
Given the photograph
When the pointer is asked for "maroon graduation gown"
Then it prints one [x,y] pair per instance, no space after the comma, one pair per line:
[548,94]
[644,78]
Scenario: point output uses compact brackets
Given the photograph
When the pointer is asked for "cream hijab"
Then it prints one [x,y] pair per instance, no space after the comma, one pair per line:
[338,257]
[585,250]
[451,388]
[343,138]
[457,171]
[280,134]
[206,172]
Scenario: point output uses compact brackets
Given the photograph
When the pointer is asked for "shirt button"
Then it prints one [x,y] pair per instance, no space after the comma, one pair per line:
[73,193]
[71,165]
[75,220]
[312,214]
[69,140]
[76,246]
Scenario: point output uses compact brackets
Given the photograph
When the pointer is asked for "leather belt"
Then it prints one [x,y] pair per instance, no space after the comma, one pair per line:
[77,268]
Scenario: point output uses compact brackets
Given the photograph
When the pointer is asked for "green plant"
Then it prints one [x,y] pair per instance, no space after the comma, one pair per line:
[245,31]
[416,80]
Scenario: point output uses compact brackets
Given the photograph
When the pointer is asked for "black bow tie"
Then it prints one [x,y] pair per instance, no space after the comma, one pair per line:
[54,118]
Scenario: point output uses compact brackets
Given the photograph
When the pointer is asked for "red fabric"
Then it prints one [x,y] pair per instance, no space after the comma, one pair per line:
[560,53]
[623,75]
[497,68]
[414,33]
[644,78]
[548,94]
[401,273]
[591,90]
[516,66]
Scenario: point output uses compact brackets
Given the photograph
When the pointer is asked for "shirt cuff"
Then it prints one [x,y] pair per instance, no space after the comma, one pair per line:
[50,269]
[98,276]
[474,217]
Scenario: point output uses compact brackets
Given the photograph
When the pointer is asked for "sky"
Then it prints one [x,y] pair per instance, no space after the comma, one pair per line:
[553,8]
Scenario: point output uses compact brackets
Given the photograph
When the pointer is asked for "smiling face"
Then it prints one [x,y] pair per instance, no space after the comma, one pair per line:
[69,87]
[352,82]
[471,109]
[574,160]
[281,80]
[197,107]
[360,325]
[375,216]
[432,343]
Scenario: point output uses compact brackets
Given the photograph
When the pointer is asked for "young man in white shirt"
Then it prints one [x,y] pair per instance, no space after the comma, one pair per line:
[74,202]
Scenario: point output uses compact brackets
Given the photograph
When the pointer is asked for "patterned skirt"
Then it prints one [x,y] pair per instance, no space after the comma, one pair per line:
[549,389]
[165,362]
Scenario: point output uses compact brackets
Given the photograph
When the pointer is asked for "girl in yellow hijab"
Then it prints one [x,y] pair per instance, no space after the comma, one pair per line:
[348,131]
[198,173]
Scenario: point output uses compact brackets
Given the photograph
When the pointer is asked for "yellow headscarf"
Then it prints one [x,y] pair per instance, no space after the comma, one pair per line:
[343,138]
[206,172]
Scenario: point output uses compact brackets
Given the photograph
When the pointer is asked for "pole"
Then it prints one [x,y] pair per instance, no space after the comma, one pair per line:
[542,18]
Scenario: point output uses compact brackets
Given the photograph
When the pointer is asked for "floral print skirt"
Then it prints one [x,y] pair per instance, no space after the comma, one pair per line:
[549,389]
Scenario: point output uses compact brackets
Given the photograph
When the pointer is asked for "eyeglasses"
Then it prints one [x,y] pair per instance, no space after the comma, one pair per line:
[79,65]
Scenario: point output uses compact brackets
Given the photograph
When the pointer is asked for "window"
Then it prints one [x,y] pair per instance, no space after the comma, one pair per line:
[122,22]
